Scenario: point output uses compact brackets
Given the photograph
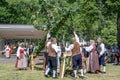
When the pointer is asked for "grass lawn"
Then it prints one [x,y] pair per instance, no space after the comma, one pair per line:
[8,72]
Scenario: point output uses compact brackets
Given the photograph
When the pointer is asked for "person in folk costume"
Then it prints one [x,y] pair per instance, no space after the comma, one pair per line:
[83,59]
[29,52]
[82,53]
[101,51]
[48,42]
[11,49]
[21,57]
[76,57]
[7,51]
[58,59]
[52,56]
[93,59]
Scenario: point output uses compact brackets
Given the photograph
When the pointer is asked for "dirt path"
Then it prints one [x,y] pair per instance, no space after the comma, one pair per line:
[3,59]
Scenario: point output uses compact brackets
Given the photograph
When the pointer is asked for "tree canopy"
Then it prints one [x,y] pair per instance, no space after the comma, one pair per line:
[90,18]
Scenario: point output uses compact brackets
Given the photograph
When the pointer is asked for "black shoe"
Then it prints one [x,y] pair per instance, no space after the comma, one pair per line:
[75,78]
[103,72]
[100,71]
[55,77]
[82,77]
[46,76]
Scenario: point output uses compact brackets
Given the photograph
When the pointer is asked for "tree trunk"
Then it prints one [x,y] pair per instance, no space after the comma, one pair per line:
[118,28]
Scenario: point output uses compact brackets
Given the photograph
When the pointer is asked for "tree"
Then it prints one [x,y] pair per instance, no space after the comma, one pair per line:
[90,18]
[118,28]
[17,12]
[113,14]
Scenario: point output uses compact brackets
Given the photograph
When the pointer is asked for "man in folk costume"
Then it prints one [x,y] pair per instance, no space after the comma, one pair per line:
[82,53]
[30,50]
[48,42]
[76,57]
[52,56]
[21,58]
[101,50]
[7,52]
[58,59]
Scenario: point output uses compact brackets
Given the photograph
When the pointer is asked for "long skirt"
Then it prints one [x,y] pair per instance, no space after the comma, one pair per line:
[93,63]
[83,62]
[22,62]
[7,54]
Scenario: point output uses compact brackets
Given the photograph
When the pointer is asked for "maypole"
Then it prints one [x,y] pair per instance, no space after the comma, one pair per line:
[52,26]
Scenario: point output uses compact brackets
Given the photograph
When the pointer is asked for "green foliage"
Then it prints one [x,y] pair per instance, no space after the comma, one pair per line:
[17,12]
[90,18]
[109,35]
[40,47]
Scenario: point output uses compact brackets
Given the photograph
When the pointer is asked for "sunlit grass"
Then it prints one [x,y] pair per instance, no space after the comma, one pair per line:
[8,72]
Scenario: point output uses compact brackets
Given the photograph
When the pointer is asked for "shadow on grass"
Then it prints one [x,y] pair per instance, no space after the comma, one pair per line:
[38,68]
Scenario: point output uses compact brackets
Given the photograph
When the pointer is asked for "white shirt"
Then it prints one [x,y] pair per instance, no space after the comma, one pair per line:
[89,48]
[7,50]
[48,43]
[71,47]
[77,38]
[102,49]
[57,49]
[18,52]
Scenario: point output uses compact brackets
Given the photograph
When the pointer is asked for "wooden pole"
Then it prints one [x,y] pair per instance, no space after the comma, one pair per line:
[32,62]
[62,71]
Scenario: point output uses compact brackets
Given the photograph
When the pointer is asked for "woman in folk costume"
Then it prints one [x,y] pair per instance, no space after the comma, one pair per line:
[21,58]
[93,62]
[7,52]
[83,59]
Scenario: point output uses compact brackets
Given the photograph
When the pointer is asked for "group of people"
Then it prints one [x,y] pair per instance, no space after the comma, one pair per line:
[96,56]
[113,55]
[23,56]
[95,59]
[95,52]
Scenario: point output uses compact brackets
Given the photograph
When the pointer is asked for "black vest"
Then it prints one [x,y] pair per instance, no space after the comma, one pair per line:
[98,48]
[30,51]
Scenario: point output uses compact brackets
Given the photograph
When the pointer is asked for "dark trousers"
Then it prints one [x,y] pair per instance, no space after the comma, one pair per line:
[102,60]
[28,59]
[52,63]
[46,57]
[117,57]
[77,62]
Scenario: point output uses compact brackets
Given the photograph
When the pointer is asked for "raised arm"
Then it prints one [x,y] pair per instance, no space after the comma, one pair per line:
[76,37]
[89,48]
[69,48]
